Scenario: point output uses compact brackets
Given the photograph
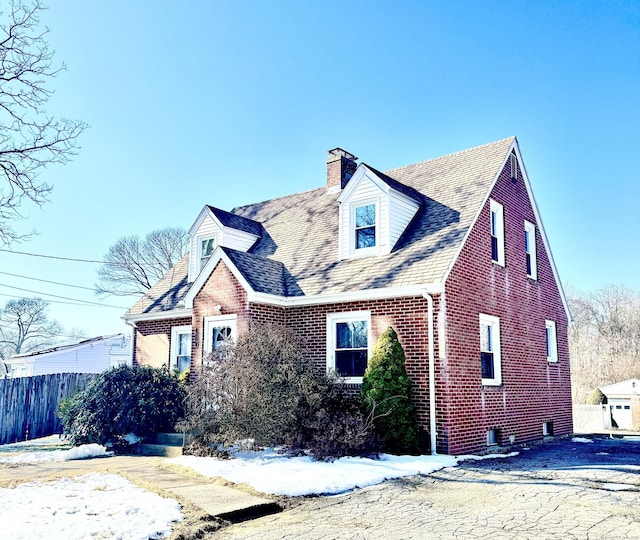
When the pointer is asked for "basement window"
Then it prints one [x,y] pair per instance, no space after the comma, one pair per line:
[547,429]
[494,437]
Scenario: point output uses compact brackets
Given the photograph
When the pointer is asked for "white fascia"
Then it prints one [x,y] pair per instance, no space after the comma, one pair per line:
[349,296]
[217,256]
[362,172]
[203,213]
[157,315]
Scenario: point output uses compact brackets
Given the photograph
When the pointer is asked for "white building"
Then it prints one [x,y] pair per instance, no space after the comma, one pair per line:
[92,355]
[623,399]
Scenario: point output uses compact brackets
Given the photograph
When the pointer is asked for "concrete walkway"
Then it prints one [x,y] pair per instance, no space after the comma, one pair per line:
[207,503]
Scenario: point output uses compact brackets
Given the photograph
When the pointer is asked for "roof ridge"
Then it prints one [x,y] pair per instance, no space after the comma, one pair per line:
[451,154]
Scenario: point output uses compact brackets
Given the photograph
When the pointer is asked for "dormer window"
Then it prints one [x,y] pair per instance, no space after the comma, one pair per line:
[206,249]
[365,226]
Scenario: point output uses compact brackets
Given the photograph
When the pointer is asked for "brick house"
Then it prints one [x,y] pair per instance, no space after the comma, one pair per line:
[450,252]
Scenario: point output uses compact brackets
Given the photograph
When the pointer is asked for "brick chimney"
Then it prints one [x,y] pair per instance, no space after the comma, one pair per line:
[340,167]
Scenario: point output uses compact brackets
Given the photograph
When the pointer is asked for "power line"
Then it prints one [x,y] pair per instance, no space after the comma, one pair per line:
[62,297]
[47,281]
[57,301]
[73,259]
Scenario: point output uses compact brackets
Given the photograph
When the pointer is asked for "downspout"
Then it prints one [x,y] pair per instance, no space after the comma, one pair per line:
[133,340]
[432,372]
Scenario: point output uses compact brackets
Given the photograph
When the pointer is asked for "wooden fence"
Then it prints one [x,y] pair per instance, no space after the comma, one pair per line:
[28,405]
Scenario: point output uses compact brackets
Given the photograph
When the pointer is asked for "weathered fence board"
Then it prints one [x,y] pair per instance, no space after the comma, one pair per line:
[28,405]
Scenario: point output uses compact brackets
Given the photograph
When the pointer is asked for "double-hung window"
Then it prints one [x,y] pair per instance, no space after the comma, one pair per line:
[365,226]
[180,360]
[497,232]
[530,250]
[206,247]
[348,339]
[490,362]
[552,341]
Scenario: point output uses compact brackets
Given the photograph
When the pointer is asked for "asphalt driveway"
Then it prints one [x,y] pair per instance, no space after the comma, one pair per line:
[559,489]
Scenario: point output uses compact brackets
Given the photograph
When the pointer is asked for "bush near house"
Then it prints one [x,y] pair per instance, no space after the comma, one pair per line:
[386,396]
[263,389]
[140,400]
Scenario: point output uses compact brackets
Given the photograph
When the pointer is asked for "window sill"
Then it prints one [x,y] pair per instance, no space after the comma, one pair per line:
[491,382]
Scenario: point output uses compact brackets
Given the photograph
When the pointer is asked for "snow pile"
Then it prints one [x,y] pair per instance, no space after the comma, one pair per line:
[89,506]
[581,440]
[270,472]
[79,452]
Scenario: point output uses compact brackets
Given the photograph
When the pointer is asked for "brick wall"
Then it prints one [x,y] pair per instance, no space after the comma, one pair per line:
[407,316]
[533,391]
[152,341]
[224,290]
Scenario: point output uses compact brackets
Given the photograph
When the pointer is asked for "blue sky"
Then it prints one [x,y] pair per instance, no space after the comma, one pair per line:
[229,102]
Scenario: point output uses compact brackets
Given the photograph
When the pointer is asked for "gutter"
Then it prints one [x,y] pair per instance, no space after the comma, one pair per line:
[432,373]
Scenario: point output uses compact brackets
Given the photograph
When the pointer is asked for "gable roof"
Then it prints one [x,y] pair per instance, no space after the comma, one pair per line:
[630,387]
[297,250]
[235,221]
[166,294]
[303,228]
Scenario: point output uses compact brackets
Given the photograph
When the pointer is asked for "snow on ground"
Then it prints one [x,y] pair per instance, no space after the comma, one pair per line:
[270,472]
[90,506]
[79,452]
[581,439]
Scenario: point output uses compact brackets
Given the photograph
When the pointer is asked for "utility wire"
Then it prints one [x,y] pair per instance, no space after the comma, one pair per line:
[51,256]
[56,301]
[47,281]
[62,297]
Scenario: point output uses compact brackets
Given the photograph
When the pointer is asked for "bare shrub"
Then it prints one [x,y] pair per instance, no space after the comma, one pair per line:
[264,389]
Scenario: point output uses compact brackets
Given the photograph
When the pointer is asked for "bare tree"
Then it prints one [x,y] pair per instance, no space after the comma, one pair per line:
[604,339]
[132,265]
[30,139]
[25,327]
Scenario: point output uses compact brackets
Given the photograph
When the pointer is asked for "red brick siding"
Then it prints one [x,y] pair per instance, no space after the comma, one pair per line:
[152,341]
[533,391]
[221,289]
[407,316]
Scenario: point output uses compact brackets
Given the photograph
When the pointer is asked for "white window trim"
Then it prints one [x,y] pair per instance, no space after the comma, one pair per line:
[200,240]
[551,346]
[494,322]
[175,331]
[498,209]
[214,321]
[530,230]
[363,252]
[332,320]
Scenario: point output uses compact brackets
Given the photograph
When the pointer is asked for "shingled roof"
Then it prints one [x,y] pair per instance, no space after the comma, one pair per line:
[297,254]
[303,228]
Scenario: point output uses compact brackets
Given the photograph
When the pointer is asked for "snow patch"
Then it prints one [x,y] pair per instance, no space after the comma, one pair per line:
[79,452]
[271,472]
[617,487]
[90,506]
[581,440]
